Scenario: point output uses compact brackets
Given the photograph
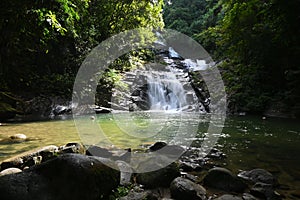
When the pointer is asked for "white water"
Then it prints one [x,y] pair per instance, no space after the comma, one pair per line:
[165,91]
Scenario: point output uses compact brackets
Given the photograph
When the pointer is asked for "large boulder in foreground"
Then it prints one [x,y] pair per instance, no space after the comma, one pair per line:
[70,176]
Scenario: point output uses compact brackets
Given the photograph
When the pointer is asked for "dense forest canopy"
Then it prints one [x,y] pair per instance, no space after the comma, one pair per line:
[255,42]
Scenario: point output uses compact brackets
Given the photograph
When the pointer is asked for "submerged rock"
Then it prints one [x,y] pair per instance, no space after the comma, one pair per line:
[223,179]
[70,176]
[182,189]
[17,138]
[258,175]
[265,191]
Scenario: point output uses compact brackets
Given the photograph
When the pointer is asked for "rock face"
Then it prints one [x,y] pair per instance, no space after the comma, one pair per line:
[223,179]
[258,175]
[70,176]
[182,189]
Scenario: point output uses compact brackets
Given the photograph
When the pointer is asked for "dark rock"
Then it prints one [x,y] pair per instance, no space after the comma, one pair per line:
[30,158]
[73,147]
[157,145]
[258,175]
[159,178]
[168,150]
[216,154]
[191,177]
[190,166]
[61,110]
[247,196]
[133,195]
[182,189]
[265,191]
[70,176]
[98,151]
[228,197]
[223,179]
[100,110]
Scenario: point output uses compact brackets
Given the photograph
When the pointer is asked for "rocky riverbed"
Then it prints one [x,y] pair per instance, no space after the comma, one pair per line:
[75,172]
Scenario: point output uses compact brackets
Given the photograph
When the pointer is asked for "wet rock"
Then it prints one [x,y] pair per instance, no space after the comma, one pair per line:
[159,178]
[165,149]
[190,177]
[100,110]
[157,145]
[228,197]
[182,189]
[265,191]
[98,151]
[258,175]
[247,196]
[61,110]
[133,195]
[30,158]
[190,166]
[18,137]
[223,179]
[10,171]
[73,147]
[70,176]
[216,154]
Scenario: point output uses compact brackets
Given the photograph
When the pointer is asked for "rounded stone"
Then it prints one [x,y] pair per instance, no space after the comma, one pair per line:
[182,188]
[10,171]
[223,179]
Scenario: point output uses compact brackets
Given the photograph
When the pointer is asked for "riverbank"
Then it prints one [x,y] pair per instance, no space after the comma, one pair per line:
[73,165]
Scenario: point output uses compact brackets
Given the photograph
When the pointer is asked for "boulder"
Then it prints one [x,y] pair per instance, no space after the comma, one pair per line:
[159,178]
[69,176]
[182,189]
[223,179]
[98,151]
[167,150]
[258,175]
[10,171]
[265,191]
[72,147]
[30,158]
[133,195]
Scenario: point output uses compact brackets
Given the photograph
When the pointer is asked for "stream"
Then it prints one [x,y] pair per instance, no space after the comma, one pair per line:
[248,142]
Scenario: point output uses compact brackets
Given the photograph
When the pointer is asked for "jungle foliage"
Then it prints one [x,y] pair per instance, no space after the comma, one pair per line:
[256,42]
[44,42]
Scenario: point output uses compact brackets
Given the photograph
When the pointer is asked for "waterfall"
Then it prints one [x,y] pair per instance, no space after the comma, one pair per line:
[165,91]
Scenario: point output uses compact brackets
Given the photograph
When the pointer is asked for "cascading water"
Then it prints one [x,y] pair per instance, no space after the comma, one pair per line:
[165,91]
